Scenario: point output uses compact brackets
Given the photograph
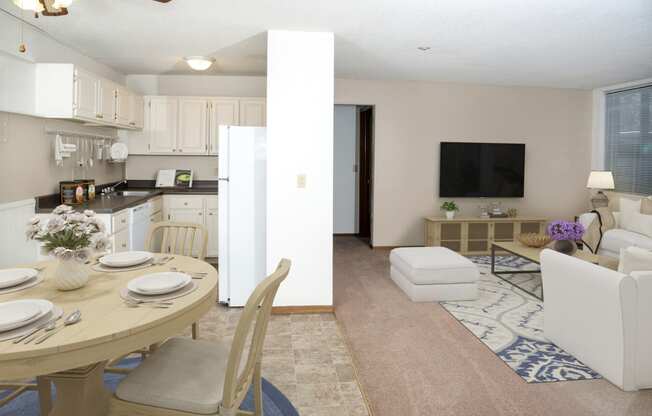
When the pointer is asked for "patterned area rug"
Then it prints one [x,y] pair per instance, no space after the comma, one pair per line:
[510,322]
[274,402]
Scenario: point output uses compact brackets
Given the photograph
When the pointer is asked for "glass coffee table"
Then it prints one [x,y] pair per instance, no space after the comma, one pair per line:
[531,254]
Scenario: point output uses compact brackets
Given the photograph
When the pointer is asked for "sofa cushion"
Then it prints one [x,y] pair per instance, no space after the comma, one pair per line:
[433,265]
[635,259]
[618,238]
[628,209]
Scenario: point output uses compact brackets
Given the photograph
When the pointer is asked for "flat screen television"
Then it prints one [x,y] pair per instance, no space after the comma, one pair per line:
[479,170]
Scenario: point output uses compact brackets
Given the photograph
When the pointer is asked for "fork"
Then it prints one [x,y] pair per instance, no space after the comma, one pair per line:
[131,304]
[194,275]
[141,301]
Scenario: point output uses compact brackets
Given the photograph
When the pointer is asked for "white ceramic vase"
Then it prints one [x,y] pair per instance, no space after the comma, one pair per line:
[70,275]
[450,215]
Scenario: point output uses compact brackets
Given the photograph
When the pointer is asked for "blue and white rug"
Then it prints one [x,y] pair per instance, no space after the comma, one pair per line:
[274,402]
[510,322]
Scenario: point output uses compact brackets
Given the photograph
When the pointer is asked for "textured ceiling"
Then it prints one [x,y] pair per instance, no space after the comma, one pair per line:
[558,43]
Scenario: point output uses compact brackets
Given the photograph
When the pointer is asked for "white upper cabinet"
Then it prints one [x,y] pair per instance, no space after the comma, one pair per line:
[253,112]
[123,106]
[137,118]
[161,124]
[193,125]
[69,92]
[223,111]
[190,125]
[106,100]
[85,94]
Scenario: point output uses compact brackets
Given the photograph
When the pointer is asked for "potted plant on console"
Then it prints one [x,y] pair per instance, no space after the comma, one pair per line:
[450,207]
[71,237]
[565,234]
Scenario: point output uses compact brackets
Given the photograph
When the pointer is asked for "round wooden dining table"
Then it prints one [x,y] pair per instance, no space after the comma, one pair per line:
[74,358]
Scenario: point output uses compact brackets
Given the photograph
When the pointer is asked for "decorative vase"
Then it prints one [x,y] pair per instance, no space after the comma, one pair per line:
[450,215]
[70,275]
[565,246]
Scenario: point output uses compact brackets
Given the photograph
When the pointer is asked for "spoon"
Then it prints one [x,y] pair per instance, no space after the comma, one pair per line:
[71,319]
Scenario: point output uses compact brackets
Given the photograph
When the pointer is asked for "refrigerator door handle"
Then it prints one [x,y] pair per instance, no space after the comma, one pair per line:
[223,179]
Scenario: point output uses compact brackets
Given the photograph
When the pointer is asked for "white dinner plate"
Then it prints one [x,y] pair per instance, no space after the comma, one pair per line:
[126,259]
[17,313]
[14,277]
[159,283]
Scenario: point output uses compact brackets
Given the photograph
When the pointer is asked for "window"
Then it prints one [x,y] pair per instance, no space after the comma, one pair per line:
[628,150]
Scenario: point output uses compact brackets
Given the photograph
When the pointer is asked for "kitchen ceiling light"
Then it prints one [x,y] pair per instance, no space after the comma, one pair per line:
[199,63]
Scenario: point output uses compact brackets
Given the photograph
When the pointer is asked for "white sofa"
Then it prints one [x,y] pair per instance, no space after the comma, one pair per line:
[602,317]
[617,238]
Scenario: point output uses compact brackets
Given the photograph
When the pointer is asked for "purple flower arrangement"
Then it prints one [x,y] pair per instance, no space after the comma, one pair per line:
[565,230]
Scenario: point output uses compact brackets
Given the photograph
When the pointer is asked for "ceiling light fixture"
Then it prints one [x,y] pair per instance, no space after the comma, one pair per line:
[33,5]
[45,7]
[199,63]
[423,48]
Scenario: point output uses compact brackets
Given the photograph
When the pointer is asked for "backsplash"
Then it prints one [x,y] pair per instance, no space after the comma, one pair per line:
[27,165]
[146,167]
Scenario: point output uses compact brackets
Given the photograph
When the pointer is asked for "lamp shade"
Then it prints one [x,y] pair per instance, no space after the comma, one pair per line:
[600,179]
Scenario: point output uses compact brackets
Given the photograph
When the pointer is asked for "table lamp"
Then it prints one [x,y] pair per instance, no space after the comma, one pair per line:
[600,179]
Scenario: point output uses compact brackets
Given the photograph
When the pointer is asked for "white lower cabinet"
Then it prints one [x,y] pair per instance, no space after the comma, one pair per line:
[121,241]
[212,225]
[196,209]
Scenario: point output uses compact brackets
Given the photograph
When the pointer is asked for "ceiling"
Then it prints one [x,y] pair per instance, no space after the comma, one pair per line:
[553,43]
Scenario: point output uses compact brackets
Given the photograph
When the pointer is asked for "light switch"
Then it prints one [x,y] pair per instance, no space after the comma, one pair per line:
[301,180]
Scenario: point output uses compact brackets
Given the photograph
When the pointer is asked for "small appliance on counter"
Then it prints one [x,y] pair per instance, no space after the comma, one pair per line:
[77,192]
[181,178]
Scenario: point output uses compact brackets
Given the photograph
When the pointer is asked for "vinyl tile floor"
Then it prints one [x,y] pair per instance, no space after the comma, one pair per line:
[304,356]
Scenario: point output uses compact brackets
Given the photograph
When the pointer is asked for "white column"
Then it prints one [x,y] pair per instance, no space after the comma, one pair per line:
[300,164]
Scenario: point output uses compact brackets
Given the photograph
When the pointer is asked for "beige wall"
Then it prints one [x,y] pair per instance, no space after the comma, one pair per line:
[27,167]
[412,118]
[146,167]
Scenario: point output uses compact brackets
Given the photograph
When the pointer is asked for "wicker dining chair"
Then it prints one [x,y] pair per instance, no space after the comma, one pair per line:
[191,377]
[182,238]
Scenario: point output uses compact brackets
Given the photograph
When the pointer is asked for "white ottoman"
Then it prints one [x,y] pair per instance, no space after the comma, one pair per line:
[429,274]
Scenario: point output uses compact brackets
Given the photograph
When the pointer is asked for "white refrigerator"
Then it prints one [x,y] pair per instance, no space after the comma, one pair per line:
[242,164]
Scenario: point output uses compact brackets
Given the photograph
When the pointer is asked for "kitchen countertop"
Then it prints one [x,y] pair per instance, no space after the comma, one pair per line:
[114,203]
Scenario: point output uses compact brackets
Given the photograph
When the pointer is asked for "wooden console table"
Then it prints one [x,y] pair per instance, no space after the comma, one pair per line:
[474,236]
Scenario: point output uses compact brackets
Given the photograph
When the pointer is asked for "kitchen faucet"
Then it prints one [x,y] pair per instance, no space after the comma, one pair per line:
[111,189]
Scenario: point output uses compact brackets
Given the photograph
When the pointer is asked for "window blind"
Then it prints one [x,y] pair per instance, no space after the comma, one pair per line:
[628,149]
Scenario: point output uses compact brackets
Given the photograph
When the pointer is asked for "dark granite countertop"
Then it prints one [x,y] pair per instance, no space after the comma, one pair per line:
[114,203]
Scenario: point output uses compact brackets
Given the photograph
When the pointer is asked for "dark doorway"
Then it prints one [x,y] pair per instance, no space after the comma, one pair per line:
[365,188]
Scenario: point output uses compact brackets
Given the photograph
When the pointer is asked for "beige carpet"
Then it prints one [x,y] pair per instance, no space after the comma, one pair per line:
[416,359]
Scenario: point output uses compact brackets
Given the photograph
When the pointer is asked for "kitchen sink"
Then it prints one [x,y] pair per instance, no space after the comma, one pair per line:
[134,193]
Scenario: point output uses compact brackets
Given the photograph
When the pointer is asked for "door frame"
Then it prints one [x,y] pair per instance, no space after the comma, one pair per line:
[372,173]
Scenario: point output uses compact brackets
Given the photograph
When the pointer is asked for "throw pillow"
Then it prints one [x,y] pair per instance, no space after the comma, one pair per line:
[634,259]
[640,223]
[628,207]
[646,206]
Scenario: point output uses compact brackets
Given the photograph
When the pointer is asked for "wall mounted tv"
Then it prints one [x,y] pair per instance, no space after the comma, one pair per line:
[481,170]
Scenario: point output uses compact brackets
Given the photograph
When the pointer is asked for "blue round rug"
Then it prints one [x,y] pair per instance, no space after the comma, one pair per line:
[274,402]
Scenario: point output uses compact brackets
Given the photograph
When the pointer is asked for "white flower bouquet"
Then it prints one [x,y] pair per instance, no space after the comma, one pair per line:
[70,237]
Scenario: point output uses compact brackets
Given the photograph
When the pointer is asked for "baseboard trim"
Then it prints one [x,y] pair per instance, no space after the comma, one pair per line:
[289,310]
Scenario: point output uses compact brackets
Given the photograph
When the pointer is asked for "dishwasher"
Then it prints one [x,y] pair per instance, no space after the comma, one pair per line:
[139,226]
